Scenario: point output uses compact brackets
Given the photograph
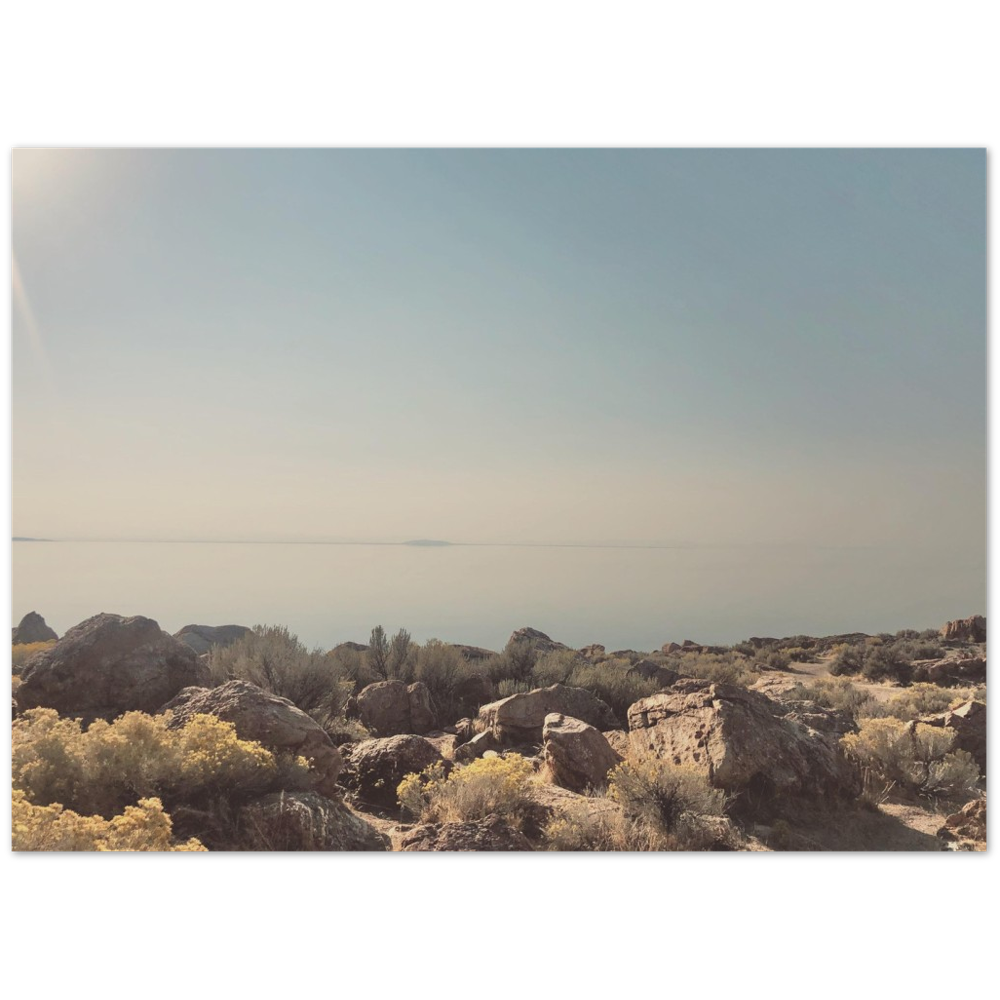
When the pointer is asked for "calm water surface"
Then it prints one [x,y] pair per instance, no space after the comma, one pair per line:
[638,598]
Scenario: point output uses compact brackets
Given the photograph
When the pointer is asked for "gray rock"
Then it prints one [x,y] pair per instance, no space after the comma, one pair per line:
[374,768]
[203,638]
[32,629]
[521,717]
[577,756]
[305,821]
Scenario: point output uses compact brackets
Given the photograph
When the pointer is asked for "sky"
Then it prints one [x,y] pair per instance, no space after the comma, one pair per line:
[652,346]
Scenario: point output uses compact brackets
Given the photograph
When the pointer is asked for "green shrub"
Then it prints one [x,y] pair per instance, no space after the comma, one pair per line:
[838,694]
[113,765]
[142,827]
[442,668]
[516,662]
[275,660]
[849,660]
[912,757]
[611,682]
[719,668]
[484,787]
[883,662]
[579,826]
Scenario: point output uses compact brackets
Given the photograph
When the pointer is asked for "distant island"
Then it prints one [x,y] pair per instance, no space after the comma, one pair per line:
[426,541]
[21,538]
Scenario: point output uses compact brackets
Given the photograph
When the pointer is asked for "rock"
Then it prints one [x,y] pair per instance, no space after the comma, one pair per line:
[618,741]
[32,629]
[464,731]
[966,829]
[670,647]
[538,641]
[595,651]
[472,692]
[968,722]
[966,629]
[422,717]
[203,638]
[576,756]
[305,821]
[391,708]
[490,834]
[476,747]
[375,768]
[521,717]
[108,665]
[265,718]
[744,745]
[953,671]
[650,671]
[354,647]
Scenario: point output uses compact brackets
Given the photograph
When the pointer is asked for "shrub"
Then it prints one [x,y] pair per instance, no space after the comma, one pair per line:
[509,686]
[142,827]
[516,662]
[275,660]
[849,660]
[487,786]
[23,652]
[611,682]
[112,765]
[838,694]
[883,662]
[719,668]
[914,757]
[580,826]
[442,668]
[555,667]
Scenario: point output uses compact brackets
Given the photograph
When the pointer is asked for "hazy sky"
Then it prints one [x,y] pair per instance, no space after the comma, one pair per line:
[682,346]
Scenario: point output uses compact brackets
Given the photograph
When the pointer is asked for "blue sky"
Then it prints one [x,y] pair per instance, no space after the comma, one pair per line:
[691,346]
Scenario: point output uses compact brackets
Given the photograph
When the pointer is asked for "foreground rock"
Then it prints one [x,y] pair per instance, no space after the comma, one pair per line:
[520,718]
[204,638]
[391,708]
[490,834]
[267,719]
[108,665]
[576,756]
[952,671]
[966,629]
[374,768]
[32,629]
[305,821]
[744,744]
[966,829]
[968,723]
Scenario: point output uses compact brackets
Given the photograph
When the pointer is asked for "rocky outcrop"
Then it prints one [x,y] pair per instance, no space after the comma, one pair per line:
[649,670]
[32,629]
[374,768]
[951,671]
[968,722]
[490,834]
[266,719]
[305,821]
[966,829]
[476,747]
[391,708]
[203,638]
[593,652]
[538,641]
[743,743]
[965,629]
[670,647]
[108,665]
[618,741]
[520,718]
[576,756]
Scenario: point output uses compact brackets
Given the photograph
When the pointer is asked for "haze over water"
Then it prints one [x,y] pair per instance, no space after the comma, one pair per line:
[770,361]
[624,598]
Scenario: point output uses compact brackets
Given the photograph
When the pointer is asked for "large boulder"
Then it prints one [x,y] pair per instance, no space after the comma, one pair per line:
[204,638]
[374,768]
[305,821]
[744,743]
[952,671]
[649,670]
[520,718]
[968,722]
[391,708]
[108,665]
[966,829]
[966,629]
[472,692]
[490,834]
[577,756]
[476,747]
[538,641]
[32,629]
[266,719]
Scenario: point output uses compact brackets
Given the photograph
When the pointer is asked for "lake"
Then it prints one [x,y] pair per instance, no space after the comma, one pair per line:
[621,597]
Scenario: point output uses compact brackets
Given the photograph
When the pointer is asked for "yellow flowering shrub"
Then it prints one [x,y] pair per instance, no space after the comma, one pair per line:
[112,765]
[142,827]
[484,787]
[22,652]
